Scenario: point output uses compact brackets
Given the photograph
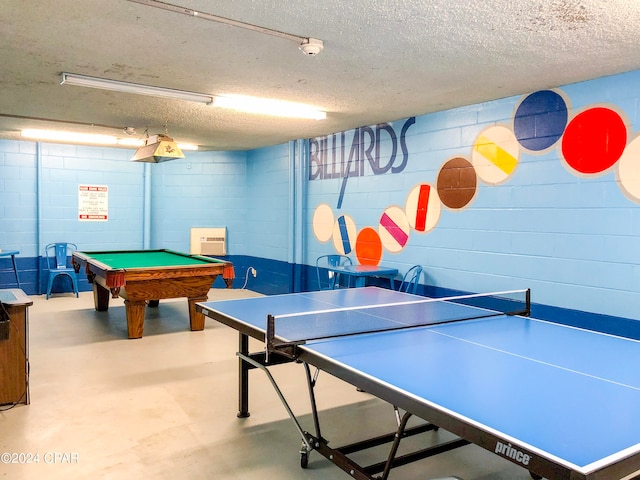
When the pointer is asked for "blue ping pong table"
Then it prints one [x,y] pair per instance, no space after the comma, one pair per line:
[561,402]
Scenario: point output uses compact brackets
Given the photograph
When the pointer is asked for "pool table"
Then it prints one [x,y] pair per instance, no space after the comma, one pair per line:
[144,277]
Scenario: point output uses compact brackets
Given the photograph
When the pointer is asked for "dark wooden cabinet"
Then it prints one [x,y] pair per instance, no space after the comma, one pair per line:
[14,351]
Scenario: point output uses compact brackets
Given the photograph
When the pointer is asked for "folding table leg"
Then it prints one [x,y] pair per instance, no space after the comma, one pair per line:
[243,377]
[275,386]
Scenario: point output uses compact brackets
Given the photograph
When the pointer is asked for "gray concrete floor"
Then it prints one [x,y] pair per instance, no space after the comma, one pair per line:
[164,406]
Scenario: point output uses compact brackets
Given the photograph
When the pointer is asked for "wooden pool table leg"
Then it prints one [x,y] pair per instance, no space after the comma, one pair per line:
[135,317]
[101,297]
[196,320]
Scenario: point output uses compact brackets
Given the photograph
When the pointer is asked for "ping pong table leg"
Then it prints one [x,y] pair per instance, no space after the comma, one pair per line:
[243,377]
[259,363]
[311,382]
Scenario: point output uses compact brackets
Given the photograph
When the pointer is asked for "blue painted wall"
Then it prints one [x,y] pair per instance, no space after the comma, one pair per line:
[571,238]
[206,189]
[39,194]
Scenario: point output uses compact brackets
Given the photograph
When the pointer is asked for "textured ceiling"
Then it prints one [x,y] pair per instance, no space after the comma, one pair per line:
[382,60]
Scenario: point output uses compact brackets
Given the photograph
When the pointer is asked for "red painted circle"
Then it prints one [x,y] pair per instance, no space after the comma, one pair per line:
[368,247]
[594,140]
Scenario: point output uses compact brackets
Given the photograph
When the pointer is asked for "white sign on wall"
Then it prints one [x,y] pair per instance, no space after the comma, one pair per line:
[93,203]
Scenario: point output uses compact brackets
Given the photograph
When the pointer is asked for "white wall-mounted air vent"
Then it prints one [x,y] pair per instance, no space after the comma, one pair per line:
[209,241]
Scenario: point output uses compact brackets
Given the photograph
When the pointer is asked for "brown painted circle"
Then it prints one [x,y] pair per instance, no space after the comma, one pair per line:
[457,182]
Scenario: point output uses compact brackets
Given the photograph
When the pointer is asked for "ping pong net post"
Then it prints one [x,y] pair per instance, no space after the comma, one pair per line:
[299,328]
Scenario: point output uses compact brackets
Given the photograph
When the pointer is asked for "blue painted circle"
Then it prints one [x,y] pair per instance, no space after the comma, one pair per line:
[540,120]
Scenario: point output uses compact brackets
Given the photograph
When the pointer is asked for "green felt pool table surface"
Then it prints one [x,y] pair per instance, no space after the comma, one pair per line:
[147,258]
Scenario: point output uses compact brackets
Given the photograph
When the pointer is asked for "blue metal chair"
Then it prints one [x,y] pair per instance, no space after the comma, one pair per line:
[327,279]
[411,280]
[57,254]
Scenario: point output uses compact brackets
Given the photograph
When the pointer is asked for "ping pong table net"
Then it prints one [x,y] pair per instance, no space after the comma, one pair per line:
[286,332]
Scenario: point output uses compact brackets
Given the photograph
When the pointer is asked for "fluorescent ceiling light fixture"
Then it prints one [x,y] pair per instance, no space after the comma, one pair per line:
[241,103]
[91,139]
[131,142]
[266,106]
[69,137]
[137,88]
[187,146]
[139,142]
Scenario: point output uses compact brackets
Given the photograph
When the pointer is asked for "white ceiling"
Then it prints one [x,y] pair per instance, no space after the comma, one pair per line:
[382,60]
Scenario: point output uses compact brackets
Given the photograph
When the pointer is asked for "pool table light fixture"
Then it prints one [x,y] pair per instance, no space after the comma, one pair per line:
[158,148]
[242,103]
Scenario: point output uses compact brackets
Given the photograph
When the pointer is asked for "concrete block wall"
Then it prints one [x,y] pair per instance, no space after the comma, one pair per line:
[571,237]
